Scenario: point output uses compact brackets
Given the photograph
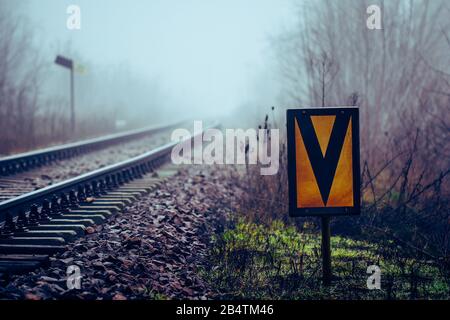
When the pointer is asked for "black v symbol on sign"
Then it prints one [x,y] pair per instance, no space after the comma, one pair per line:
[324,168]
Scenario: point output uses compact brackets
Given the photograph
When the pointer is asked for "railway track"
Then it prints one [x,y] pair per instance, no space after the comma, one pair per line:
[40,223]
[18,163]
[27,172]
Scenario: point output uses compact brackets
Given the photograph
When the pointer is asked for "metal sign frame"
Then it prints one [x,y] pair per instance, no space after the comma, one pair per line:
[64,62]
[292,115]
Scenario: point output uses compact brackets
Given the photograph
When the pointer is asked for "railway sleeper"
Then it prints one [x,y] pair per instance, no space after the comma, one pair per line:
[17,267]
[95,218]
[135,194]
[145,182]
[87,212]
[68,235]
[148,186]
[70,221]
[30,240]
[166,173]
[141,191]
[63,229]
[30,249]
[98,208]
[122,195]
[106,202]
[43,259]
[20,263]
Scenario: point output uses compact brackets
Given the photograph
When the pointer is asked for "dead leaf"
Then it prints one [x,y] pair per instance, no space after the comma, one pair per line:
[119,296]
[32,296]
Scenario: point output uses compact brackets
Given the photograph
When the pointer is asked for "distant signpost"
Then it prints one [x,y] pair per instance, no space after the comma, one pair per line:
[323,167]
[68,63]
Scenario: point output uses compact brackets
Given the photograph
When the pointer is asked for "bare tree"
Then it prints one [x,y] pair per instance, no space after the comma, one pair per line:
[386,68]
[19,82]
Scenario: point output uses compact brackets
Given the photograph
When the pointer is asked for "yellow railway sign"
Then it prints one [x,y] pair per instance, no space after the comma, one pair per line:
[323,161]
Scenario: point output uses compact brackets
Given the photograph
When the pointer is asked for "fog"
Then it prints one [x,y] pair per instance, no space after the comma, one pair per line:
[184,59]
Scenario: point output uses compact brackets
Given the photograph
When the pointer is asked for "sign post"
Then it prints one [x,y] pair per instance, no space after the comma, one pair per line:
[323,168]
[68,63]
[326,251]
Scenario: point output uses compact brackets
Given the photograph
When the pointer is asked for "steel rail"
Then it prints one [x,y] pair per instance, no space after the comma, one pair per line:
[70,192]
[24,161]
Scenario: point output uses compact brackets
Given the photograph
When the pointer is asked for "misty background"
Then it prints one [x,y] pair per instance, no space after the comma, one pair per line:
[153,61]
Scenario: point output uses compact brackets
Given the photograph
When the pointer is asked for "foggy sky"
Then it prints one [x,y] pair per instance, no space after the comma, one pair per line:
[207,56]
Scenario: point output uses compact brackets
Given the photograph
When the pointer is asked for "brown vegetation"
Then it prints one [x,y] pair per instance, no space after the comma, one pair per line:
[398,78]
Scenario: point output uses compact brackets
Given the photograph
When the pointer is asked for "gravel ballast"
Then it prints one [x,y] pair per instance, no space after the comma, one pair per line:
[154,249]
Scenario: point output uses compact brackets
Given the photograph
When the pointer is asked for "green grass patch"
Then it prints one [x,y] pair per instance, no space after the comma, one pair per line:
[276,261]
